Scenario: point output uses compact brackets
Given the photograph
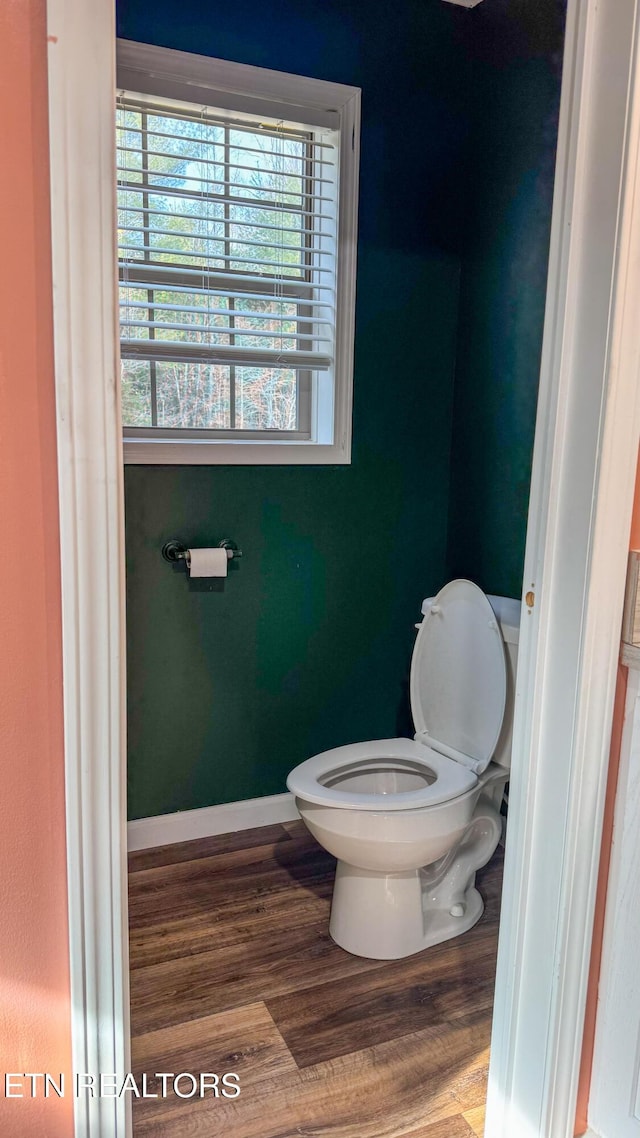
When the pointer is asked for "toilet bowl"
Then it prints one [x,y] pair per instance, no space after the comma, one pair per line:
[411,820]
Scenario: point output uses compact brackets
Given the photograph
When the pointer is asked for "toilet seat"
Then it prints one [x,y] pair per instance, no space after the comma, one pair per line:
[401,755]
[458,692]
[458,679]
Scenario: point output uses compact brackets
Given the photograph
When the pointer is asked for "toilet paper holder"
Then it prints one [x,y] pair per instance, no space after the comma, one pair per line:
[173,550]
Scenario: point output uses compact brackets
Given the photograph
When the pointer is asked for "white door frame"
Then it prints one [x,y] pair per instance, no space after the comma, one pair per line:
[582,490]
[581,498]
[81,37]
[614,1105]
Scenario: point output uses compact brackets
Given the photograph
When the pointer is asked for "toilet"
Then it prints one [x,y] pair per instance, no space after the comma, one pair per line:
[411,820]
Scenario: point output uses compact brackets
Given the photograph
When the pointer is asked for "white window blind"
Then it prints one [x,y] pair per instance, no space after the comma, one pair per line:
[227,231]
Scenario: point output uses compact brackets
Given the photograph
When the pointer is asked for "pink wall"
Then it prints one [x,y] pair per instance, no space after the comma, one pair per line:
[34,983]
[605,857]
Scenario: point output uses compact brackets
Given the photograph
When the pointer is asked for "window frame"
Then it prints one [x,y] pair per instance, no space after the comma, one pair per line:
[182,76]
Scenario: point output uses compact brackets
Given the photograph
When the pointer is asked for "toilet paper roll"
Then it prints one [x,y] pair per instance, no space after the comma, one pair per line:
[208,562]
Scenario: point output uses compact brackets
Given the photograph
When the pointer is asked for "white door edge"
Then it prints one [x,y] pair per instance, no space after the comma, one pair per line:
[581,499]
[614,1102]
[81,61]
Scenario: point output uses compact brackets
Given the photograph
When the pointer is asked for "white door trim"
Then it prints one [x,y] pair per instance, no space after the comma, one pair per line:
[615,1095]
[581,500]
[81,38]
[586,442]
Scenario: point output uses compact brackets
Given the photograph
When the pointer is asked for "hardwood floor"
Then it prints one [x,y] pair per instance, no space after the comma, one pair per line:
[233,970]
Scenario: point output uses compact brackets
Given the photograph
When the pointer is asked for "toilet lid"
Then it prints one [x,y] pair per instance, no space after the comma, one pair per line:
[458,676]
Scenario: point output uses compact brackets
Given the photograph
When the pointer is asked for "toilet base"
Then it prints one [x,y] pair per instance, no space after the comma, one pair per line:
[386,916]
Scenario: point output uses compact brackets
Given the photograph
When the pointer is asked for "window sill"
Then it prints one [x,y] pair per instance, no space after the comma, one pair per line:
[162,453]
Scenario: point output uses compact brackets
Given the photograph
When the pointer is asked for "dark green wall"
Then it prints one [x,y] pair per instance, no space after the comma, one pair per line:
[514,51]
[308,644]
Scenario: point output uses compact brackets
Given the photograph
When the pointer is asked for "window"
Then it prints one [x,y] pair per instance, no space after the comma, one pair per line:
[236,260]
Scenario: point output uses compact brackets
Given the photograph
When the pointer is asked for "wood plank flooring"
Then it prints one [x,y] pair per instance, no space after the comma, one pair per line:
[233,969]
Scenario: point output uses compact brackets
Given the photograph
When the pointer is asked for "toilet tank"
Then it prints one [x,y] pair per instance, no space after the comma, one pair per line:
[507,611]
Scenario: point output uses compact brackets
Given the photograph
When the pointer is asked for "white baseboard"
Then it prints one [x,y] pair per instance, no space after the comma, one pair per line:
[164,829]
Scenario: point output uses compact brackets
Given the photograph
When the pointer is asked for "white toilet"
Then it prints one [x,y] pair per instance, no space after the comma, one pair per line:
[411,820]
